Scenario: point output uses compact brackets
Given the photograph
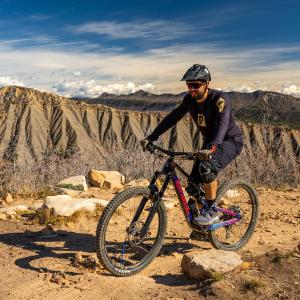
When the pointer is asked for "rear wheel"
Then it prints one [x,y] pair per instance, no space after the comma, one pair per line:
[120,247]
[240,197]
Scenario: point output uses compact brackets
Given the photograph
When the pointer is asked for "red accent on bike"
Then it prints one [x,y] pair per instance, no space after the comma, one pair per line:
[182,197]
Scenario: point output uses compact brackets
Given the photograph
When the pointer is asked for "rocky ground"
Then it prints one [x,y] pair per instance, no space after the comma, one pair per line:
[47,263]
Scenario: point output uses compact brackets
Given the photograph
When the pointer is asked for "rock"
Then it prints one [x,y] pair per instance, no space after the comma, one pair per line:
[114,186]
[96,178]
[200,265]
[58,278]
[3,216]
[78,256]
[138,182]
[169,205]
[8,198]
[2,203]
[64,191]
[231,194]
[64,205]
[224,202]
[36,206]
[111,178]
[77,183]
[12,210]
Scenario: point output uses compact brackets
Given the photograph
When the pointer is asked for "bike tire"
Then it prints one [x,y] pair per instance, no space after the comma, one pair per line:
[102,227]
[254,216]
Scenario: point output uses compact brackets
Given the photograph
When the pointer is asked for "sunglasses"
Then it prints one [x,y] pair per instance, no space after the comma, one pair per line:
[194,85]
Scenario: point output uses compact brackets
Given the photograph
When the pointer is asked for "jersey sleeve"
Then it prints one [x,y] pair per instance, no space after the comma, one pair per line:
[170,120]
[222,117]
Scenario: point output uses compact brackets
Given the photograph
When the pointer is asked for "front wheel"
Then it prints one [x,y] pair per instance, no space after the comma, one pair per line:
[240,197]
[121,247]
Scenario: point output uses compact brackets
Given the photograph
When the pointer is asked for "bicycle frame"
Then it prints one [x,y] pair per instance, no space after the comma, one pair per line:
[169,170]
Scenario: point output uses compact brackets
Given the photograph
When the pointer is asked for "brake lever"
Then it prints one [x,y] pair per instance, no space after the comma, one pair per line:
[150,147]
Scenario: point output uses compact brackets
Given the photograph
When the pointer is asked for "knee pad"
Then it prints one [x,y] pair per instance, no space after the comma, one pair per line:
[207,171]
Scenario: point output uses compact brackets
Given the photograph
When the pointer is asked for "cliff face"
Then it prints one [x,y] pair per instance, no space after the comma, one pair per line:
[257,107]
[34,122]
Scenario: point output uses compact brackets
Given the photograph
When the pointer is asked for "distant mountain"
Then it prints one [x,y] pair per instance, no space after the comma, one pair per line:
[33,123]
[262,107]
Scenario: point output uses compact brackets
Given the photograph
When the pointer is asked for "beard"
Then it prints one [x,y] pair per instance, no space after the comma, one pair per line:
[198,95]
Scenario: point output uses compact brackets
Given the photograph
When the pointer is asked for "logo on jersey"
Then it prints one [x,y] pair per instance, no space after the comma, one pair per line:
[221,104]
[201,120]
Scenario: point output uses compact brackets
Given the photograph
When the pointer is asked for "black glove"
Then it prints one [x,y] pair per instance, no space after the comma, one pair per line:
[145,143]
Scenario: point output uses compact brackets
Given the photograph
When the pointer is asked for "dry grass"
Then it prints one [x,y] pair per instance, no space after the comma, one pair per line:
[253,284]
[47,217]
[273,167]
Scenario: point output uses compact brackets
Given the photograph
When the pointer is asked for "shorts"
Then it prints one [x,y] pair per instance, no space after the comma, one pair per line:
[224,155]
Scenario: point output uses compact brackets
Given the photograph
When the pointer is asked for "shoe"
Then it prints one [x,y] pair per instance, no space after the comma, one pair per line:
[207,217]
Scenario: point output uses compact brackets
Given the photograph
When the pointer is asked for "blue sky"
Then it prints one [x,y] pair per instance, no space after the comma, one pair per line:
[84,48]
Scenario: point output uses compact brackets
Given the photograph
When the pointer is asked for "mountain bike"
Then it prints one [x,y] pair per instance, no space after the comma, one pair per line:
[132,227]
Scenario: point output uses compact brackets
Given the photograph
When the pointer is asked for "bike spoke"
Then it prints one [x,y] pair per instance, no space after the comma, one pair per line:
[124,246]
[237,199]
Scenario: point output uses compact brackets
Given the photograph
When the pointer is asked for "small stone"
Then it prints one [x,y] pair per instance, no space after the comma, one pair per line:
[3,216]
[78,256]
[9,199]
[2,203]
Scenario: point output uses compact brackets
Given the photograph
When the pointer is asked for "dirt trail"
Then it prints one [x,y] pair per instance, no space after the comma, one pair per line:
[39,264]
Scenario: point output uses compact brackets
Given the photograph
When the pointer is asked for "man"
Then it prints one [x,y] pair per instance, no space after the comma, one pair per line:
[223,140]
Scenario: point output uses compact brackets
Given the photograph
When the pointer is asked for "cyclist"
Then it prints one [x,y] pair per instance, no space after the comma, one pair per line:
[222,138]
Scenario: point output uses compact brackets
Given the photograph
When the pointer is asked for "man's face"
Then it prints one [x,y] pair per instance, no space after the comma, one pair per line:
[196,88]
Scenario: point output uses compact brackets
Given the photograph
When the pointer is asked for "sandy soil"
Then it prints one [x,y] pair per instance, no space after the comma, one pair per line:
[36,263]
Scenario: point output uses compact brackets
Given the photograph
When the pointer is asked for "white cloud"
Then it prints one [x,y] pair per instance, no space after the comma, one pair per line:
[231,67]
[73,88]
[8,80]
[155,30]
[290,89]
[77,73]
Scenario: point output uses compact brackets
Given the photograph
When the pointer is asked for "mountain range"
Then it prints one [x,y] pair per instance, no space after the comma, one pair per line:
[32,122]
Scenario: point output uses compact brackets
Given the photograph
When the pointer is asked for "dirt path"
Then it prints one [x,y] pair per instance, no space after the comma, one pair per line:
[40,264]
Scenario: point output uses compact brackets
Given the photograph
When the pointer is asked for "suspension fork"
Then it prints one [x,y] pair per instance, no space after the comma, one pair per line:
[157,199]
[153,193]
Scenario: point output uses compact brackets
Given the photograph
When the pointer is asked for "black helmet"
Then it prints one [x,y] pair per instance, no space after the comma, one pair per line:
[197,72]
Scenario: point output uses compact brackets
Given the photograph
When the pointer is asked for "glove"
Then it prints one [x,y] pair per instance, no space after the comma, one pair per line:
[144,143]
[204,154]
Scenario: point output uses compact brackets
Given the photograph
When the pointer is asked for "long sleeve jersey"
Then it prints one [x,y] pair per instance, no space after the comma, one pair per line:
[214,118]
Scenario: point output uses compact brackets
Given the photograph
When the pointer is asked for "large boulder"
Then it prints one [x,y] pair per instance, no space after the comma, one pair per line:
[64,205]
[110,179]
[200,265]
[96,178]
[75,183]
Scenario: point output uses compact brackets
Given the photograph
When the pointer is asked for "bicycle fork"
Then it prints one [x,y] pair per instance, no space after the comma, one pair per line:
[157,197]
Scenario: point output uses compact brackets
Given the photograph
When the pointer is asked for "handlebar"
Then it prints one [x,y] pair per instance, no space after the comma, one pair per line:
[185,155]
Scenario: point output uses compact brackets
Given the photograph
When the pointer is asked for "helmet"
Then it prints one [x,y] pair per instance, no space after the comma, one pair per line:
[197,72]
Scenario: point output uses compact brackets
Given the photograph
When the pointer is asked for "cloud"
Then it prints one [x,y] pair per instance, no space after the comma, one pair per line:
[290,89]
[77,73]
[154,30]
[8,80]
[73,88]
[231,67]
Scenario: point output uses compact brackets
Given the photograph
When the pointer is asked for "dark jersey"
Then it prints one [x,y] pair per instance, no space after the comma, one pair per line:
[214,118]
